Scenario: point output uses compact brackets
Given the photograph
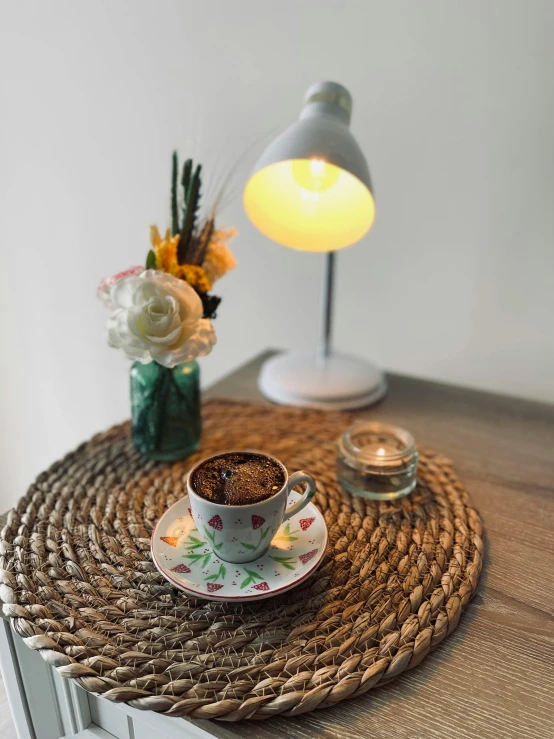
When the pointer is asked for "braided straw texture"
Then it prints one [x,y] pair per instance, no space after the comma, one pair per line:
[78,582]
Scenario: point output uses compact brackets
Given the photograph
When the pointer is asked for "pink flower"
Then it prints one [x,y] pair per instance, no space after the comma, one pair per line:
[213,586]
[105,287]
[181,569]
[257,521]
[261,586]
[305,523]
[308,556]
[216,523]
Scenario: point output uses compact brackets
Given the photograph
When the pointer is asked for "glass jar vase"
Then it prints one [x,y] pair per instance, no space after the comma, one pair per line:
[165,410]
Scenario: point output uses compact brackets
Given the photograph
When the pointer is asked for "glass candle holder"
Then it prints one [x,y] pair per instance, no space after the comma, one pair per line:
[377,461]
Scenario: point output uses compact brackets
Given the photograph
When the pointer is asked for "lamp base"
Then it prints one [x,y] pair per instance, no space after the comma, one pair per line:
[336,382]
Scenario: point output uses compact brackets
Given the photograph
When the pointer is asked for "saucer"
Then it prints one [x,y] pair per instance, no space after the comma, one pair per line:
[182,555]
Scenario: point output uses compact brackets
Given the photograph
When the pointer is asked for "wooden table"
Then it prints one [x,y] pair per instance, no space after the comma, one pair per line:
[494,676]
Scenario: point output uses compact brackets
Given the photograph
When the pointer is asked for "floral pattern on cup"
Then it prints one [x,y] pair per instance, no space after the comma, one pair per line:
[257,523]
[171,540]
[216,523]
[304,558]
[251,576]
[242,534]
[181,569]
[191,562]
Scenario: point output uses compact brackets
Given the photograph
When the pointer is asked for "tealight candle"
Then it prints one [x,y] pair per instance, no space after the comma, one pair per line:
[377,460]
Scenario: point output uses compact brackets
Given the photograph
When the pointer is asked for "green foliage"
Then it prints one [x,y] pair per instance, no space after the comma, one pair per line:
[219,574]
[194,543]
[185,178]
[253,547]
[287,534]
[194,237]
[288,562]
[174,206]
[252,577]
[193,558]
[191,186]
[211,537]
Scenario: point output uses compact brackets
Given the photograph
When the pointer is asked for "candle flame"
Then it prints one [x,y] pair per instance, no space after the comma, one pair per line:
[381,451]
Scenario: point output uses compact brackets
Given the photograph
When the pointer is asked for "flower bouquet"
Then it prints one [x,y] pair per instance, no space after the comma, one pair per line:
[161,317]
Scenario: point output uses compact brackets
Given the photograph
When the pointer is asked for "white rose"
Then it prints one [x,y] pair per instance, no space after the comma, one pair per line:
[158,317]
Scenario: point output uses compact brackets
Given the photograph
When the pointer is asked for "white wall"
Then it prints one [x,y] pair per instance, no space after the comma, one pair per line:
[454,107]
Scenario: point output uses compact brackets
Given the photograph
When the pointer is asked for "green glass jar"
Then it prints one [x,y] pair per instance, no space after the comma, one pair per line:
[165,410]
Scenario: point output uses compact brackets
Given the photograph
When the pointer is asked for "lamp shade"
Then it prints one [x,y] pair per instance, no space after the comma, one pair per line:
[311,188]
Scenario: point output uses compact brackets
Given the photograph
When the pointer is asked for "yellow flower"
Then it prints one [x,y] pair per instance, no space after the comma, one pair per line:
[194,275]
[219,259]
[165,250]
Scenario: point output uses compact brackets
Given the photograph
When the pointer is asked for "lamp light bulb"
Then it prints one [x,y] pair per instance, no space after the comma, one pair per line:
[314,175]
[381,451]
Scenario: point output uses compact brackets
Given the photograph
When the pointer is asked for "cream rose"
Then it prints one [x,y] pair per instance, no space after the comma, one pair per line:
[158,317]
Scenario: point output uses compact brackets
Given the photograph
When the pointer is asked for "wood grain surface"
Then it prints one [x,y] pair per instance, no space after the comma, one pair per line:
[494,677]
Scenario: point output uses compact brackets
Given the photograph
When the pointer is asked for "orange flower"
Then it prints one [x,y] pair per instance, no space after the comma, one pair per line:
[194,275]
[219,259]
[165,250]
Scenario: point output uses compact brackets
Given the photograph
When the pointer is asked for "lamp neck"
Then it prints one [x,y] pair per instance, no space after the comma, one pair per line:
[328,99]
[325,345]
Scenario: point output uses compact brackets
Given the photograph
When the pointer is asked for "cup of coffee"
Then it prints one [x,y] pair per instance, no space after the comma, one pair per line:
[239,499]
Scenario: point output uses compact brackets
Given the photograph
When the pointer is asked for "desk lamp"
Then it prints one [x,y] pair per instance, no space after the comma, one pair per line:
[311,190]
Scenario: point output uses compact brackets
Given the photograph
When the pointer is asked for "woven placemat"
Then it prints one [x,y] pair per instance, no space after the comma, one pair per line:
[79,585]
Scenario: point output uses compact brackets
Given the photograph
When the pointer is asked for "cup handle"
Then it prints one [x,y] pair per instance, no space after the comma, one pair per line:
[297,478]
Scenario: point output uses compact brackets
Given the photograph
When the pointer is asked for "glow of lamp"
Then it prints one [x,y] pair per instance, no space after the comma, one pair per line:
[314,175]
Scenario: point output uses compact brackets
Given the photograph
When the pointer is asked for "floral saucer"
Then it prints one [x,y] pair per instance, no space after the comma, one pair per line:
[181,553]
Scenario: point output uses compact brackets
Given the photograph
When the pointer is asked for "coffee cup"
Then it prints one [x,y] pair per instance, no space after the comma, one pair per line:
[243,533]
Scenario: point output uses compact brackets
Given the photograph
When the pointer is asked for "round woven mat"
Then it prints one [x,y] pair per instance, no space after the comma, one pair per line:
[80,587]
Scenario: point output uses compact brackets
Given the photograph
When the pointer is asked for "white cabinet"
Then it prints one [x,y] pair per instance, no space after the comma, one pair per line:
[46,706]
